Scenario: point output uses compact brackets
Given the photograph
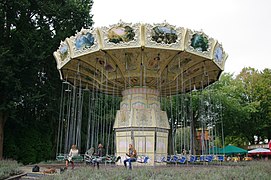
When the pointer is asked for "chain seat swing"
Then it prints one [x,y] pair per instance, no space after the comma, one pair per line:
[70,120]
[88,113]
[209,116]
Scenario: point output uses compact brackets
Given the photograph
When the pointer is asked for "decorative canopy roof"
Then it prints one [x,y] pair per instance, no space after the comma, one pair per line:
[124,55]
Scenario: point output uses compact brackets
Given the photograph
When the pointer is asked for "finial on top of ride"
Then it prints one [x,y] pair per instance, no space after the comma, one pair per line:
[125,55]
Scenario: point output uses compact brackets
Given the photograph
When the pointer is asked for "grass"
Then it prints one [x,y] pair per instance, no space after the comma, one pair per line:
[9,168]
[241,170]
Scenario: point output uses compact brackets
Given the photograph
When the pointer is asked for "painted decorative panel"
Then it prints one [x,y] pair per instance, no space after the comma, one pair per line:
[130,61]
[121,34]
[153,63]
[162,34]
[63,49]
[139,105]
[154,105]
[84,41]
[142,118]
[124,106]
[218,55]
[199,42]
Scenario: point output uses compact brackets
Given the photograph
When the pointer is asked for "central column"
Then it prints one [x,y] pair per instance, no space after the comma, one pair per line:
[141,121]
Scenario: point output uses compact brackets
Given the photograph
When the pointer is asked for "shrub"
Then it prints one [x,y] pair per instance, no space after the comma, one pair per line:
[9,168]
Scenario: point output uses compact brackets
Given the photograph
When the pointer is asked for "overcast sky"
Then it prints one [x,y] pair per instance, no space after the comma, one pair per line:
[242,26]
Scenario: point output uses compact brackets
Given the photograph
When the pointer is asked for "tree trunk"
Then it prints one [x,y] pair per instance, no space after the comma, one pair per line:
[3,118]
[193,137]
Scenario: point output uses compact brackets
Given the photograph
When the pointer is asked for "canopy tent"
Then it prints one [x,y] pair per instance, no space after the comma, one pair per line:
[230,149]
[261,151]
[215,150]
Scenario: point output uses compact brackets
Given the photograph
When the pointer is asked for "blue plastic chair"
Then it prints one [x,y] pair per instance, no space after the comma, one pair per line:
[202,158]
[146,158]
[209,158]
[142,159]
[174,159]
[193,159]
[161,160]
[220,158]
[182,160]
[168,159]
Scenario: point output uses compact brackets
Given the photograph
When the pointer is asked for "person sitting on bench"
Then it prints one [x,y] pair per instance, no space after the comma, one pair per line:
[99,154]
[131,156]
[73,152]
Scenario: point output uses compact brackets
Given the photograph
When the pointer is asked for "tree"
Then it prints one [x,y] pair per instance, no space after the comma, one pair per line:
[228,91]
[32,31]
[246,105]
[264,95]
[257,99]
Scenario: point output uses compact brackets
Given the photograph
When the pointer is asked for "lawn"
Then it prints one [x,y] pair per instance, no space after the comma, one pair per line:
[239,170]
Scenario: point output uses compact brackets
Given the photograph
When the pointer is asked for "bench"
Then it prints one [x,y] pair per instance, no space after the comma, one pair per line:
[142,159]
[63,157]
[102,160]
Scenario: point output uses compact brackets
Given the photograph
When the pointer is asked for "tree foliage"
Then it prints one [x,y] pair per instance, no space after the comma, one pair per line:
[239,104]
[29,84]
[246,104]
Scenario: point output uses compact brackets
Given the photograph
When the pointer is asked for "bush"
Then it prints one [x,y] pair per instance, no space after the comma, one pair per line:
[9,168]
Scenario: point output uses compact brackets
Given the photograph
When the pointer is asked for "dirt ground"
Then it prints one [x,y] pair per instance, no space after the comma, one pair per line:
[45,168]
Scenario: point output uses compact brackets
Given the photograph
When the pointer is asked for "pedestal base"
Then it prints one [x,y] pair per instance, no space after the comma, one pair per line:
[141,122]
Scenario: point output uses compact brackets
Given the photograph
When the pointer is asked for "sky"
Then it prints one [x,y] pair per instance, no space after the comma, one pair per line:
[243,27]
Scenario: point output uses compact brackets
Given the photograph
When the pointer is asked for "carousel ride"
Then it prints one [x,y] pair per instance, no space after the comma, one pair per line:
[141,63]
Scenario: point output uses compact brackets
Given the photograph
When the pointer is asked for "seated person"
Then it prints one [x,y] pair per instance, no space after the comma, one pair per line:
[73,152]
[132,156]
[99,154]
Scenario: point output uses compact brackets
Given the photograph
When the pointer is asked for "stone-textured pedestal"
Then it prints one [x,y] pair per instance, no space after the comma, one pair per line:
[141,122]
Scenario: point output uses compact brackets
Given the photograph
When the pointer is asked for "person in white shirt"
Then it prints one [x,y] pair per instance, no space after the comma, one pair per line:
[73,152]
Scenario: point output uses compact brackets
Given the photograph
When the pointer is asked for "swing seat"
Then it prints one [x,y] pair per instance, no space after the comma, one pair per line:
[202,158]
[182,160]
[169,159]
[161,159]
[143,159]
[61,157]
[193,159]
[88,159]
[209,158]
[78,158]
[91,160]
[174,159]
[112,159]
[100,159]
[220,158]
